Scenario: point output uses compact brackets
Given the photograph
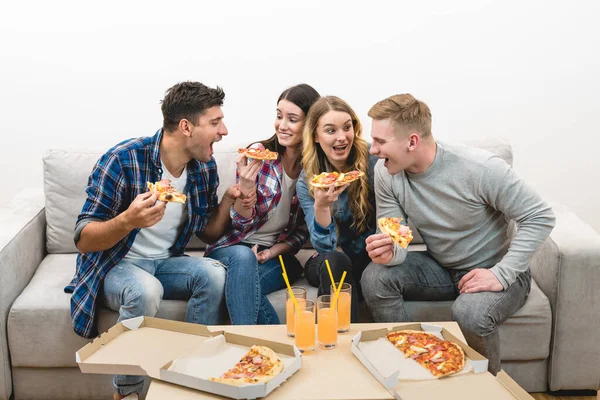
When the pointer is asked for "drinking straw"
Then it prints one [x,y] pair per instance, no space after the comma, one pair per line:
[337,292]
[287,282]
[331,276]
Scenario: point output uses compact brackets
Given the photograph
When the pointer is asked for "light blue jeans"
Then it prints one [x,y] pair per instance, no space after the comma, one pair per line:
[135,287]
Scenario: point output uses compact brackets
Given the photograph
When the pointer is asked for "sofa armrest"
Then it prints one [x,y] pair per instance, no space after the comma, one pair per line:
[567,269]
[22,248]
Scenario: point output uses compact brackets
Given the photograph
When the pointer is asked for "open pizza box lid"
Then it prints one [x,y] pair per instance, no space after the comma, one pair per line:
[181,353]
[407,380]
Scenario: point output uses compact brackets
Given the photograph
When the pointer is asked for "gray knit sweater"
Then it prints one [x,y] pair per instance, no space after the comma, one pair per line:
[462,205]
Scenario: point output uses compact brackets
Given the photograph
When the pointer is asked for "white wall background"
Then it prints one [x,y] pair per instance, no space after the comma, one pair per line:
[92,74]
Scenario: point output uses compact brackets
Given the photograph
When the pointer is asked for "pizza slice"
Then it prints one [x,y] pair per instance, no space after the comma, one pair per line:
[400,234]
[259,154]
[259,365]
[439,357]
[445,358]
[348,177]
[167,192]
[325,179]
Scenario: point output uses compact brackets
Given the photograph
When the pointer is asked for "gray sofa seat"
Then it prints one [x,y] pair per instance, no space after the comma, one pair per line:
[40,332]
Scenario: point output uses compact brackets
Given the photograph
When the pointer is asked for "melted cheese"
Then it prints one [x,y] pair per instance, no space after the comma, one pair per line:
[418,349]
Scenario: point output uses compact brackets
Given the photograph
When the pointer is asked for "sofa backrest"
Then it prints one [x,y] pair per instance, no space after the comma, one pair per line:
[66,172]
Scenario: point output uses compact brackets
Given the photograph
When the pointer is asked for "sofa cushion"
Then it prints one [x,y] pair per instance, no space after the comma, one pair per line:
[40,332]
[524,336]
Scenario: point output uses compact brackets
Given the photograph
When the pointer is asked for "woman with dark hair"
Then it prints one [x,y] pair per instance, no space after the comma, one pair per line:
[275,225]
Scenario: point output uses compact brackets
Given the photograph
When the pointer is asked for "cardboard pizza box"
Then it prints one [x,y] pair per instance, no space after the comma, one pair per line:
[181,353]
[407,380]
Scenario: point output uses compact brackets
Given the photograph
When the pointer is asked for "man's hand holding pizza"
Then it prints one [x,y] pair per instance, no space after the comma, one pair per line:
[144,211]
[380,248]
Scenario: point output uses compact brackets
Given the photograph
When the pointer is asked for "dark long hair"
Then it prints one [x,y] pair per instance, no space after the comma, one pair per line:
[303,96]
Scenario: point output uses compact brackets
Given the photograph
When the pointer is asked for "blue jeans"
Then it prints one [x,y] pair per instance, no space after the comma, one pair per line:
[135,288]
[421,278]
[248,283]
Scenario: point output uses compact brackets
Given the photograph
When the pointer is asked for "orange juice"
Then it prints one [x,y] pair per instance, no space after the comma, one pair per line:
[305,330]
[289,315]
[344,303]
[327,327]
[300,296]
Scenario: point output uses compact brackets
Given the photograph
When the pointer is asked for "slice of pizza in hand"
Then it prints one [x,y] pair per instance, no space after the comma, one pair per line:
[166,192]
[325,179]
[348,177]
[259,154]
[400,234]
[259,365]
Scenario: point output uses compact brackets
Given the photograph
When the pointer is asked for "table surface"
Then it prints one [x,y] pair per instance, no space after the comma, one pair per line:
[325,374]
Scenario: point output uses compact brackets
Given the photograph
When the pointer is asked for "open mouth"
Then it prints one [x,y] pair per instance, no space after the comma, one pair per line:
[284,135]
[340,149]
[213,142]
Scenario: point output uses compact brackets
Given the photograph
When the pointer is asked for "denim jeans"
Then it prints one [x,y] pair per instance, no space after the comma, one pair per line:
[248,283]
[315,271]
[135,287]
[421,278]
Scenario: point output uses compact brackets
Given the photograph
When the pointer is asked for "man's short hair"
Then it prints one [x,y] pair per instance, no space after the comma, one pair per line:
[188,100]
[405,112]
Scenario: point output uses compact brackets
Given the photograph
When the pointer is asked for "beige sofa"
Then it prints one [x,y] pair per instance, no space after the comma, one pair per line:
[552,342]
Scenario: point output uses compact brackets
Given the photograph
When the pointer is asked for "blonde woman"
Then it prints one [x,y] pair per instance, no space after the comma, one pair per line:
[337,217]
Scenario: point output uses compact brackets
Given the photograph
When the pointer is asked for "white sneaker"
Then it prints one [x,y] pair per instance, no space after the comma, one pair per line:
[132,396]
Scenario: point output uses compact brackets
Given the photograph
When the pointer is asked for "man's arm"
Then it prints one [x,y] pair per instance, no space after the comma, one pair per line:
[388,205]
[102,235]
[502,189]
[220,219]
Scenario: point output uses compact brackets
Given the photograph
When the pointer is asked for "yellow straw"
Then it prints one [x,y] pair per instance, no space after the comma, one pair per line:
[331,276]
[282,266]
[337,292]
[287,282]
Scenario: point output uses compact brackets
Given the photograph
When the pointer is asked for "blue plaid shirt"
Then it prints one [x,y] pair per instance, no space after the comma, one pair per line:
[117,178]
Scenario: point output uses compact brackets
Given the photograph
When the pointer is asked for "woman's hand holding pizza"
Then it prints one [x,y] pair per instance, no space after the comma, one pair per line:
[380,248]
[248,171]
[326,197]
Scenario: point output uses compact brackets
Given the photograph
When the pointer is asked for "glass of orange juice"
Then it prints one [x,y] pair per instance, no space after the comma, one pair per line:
[305,326]
[343,306]
[300,295]
[327,322]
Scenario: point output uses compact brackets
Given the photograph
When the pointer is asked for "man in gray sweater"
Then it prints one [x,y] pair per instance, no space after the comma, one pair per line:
[461,200]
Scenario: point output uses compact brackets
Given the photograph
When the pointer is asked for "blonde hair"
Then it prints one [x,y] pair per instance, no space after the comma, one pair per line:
[314,160]
[405,112]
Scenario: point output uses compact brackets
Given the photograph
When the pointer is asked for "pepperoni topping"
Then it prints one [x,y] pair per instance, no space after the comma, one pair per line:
[257,360]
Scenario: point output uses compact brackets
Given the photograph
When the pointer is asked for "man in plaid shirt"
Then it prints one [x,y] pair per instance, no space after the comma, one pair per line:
[131,246]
